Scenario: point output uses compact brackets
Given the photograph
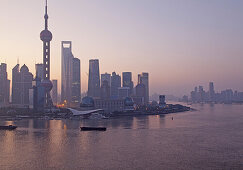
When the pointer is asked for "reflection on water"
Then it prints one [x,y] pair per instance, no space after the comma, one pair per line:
[210,138]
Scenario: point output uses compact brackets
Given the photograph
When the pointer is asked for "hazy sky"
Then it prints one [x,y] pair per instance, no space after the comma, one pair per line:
[181,43]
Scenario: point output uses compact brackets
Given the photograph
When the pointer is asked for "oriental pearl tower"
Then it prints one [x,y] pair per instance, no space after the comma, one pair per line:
[46,37]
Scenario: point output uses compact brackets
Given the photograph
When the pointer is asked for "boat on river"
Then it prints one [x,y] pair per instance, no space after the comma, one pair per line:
[9,127]
[93,128]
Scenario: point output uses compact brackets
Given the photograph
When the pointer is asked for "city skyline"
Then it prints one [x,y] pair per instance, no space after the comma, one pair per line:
[174,50]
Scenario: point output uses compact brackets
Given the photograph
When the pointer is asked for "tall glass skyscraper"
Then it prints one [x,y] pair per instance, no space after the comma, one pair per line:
[115,84]
[76,87]
[144,79]
[127,81]
[70,86]
[94,79]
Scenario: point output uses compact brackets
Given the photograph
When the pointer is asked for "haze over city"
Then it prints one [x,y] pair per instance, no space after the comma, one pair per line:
[180,43]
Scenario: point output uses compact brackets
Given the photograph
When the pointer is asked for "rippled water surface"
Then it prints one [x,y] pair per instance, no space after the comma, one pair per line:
[210,138]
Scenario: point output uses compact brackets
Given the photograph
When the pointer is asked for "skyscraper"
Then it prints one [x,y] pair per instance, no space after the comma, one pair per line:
[76,84]
[46,37]
[94,79]
[115,84]
[127,81]
[211,92]
[54,92]
[39,71]
[105,90]
[4,84]
[26,79]
[144,79]
[67,60]
[16,85]
[106,77]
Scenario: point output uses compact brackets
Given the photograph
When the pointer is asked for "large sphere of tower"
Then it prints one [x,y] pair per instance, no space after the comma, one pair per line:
[47,84]
[46,35]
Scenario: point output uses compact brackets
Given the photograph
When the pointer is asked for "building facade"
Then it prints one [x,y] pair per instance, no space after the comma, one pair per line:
[115,84]
[26,79]
[94,79]
[54,92]
[127,81]
[16,85]
[76,83]
[144,79]
[4,84]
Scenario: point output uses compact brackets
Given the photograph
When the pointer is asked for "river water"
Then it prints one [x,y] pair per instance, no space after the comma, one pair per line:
[209,138]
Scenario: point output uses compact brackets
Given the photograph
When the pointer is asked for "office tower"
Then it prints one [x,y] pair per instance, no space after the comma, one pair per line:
[115,84]
[54,92]
[16,88]
[123,92]
[76,85]
[39,71]
[67,60]
[94,79]
[211,91]
[4,84]
[140,93]
[105,90]
[26,79]
[144,79]
[106,77]
[46,37]
[127,81]
[201,94]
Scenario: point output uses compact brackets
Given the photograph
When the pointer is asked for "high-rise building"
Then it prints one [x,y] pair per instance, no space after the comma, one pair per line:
[123,92]
[54,92]
[127,81]
[67,60]
[115,84]
[76,83]
[16,85]
[211,92]
[46,37]
[105,90]
[140,94]
[39,71]
[26,79]
[106,77]
[144,79]
[94,79]
[4,84]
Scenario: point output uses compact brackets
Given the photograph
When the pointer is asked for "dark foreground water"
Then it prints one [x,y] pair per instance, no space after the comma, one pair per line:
[210,138]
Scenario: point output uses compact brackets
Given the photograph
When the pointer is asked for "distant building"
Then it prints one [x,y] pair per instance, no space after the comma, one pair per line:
[144,79]
[108,105]
[106,77]
[140,94]
[94,79]
[115,84]
[37,95]
[16,85]
[70,84]
[4,84]
[54,92]
[127,81]
[39,71]
[105,90]
[76,83]
[67,59]
[162,100]
[26,79]
[123,92]
[211,92]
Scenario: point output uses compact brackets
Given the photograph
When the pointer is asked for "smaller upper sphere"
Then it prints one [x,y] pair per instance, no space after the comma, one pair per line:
[46,35]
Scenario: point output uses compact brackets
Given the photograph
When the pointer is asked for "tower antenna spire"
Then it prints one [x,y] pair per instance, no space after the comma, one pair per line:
[46,17]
